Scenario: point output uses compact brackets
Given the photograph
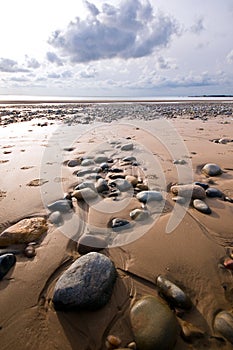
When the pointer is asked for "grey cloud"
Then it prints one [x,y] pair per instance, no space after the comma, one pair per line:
[53,58]
[32,63]
[198,26]
[10,66]
[230,57]
[130,30]
[63,75]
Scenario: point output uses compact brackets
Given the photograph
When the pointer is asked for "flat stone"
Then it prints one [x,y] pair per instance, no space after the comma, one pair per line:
[189,191]
[90,243]
[85,184]
[139,214]
[87,162]
[118,224]
[153,324]
[129,159]
[127,147]
[84,194]
[87,284]
[25,231]
[101,159]
[202,184]
[149,196]
[201,206]
[121,184]
[212,169]
[179,199]
[223,324]
[213,192]
[74,162]
[62,205]
[7,261]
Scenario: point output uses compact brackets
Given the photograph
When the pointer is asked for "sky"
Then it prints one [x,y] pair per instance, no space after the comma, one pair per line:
[128,48]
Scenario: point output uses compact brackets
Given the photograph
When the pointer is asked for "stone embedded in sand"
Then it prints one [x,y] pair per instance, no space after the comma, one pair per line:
[139,214]
[104,166]
[121,184]
[154,325]
[87,284]
[228,263]
[189,191]
[30,251]
[211,169]
[173,294]
[25,231]
[127,147]
[129,159]
[149,196]
[201,206]
[85,184]
[118,224]
[6,262]
[56,218]
[62,205]
[223,324]
[202,184]
[112,342]
[87,162]
[90,243]
[213,192]
[142,187]
[84,194]
[101,185]
[101,159]
[74,162]
[132,180]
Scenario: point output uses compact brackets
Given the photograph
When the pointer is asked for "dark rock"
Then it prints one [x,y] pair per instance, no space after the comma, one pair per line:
[121,184]
[201,206]
[223,324]
[180,162]
[87,284]
[101,186]
[104,166]
[118,224]
[213,192]
[154,325]
[6,263]
[127,147]
[202,184]
[116,170]
[228,263]
[212,169]
[90,243]
[228,199]
[101,159]
[129,159]
[85,184]
[87,162]
[74,162]
[149,196]
[62,205]
[139,214]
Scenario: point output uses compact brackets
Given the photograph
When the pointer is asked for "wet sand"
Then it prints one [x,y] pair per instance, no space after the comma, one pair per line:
[33,163]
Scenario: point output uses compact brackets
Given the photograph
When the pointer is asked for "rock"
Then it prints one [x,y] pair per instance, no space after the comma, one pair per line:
[211,169]
[121,184]
[201,206]
[6,263]
[87,284]
[153,324]
[228,199]
[74,162]
[56,218]
[101,186]
[127,147]
[82,173]
[190,333]
[132,345]
[90,243]
[149,196]
[30,251]
[132,180]
[223,324]
[189,191]
[118,224]
[25,231]
[224,141]
[173,294]
[129,159]
[202,184]
[85,184]
[87,162]
[180,161]
[142,187]
[62,205]
[228,263]
[104,166]
[116,170]
[112,342]
[213,192]
[139,214]
[101,159]
[179,199]
[84,194]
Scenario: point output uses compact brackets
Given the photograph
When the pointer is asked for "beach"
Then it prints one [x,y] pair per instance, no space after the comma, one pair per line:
[47,150]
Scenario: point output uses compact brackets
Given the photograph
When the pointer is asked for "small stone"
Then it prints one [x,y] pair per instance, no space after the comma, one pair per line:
[112,342]
[121,184]
[118,224]
[189,191]
[7,261]
[87,284]
[142,187]
[90,243]
[228,263]
[84,194]
[132,345]
[201,206]
[30,251]
[87,162]
[139,214]
[202,184]
[149,196]
[213,192]
[129,159]
[228,199]
[180,161]
[104,166]
[56,218]
[116,170]
[153,324]
[85,184]
[190,333]
[101,159]
[25,231]
[101,186]
[212,169]
[179,199]
[224,141]
[223,324]
[127,147]
[74,162]
[132,180]
[62,205]
[173,294]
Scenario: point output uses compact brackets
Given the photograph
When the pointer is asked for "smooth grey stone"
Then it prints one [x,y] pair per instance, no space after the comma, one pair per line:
[212,169]
[213,192]
[173,294]
[73,162]
[127,147]
[118,224]
[7,261]
[223,324]
[154,325]
[62,205]
[139,214]
[121,184]
[149,196]
[101,159]
[189,191]
[201,206]
[129,159]
[180,161]
[56,218]
[85,194]
[101,185]
[85,184]
[82,173]
[104,166]
[179,199]
[202,184]
[87,162]
[87,284]
[90,243]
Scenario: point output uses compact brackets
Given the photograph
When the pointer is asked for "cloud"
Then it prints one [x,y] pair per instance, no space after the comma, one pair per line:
[88,72]
[32,62]
[163,63]
[131,30]
[198,26]
[53,58]
[10,66]
[230,57]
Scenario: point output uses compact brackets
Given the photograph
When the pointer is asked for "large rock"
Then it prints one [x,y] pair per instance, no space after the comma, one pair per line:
[189,191]
[25,231]
[223,324]
[212,169]
[6,263]
[87,284]
[153,324]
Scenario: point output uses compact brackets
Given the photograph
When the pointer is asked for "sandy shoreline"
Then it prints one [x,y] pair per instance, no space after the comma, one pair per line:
[191,255]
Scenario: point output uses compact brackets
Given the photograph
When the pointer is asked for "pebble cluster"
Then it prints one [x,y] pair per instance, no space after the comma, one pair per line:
[108,112]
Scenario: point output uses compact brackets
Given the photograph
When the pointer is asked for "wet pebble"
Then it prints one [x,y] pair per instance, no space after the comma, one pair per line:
[87,162]
[56,218]
[87,284]
[202,184]
[189,191]
[62,205]
[139,214]
[201,206]
[153,324]
[228,263]
[127,147]
[223,324]
[149,196]
[30,251]
[179,199]
[112,342]
[228,199]
[7,261]
[212,169]
[84,194]
[118,224]
[173,294]
[74,162]
[214,192]
[180,161]
[101,186]
[104,166]
[129,159]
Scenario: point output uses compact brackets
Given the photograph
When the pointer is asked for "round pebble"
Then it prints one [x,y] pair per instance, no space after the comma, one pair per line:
[223,324]
[201,206]
[30,251]
[213,192]
[212,169]
[112,342]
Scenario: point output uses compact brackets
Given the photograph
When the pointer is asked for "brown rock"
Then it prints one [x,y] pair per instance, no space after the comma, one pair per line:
[25,231]
[189,191]
[228,263]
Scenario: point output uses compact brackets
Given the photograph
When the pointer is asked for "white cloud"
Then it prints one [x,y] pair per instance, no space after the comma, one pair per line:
[198,26]
[230,57]
[130,30]
[11,66]
[53,58]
